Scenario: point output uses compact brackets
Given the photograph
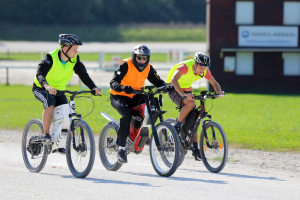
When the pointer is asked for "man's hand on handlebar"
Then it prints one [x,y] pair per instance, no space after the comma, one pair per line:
[50,89]
[128,89]
[97,91]
[169,87]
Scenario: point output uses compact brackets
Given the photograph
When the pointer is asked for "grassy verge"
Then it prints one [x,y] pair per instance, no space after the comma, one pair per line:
[155,57]
[265,122]
[195,33]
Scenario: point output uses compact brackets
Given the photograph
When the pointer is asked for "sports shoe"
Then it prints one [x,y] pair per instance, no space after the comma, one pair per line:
[122,156]
[148,141]
[196,154]
[61,151]
[47,139]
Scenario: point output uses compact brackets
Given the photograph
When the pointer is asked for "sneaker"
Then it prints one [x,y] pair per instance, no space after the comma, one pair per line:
[61,151]
[122,156]
[196,154]
[148,141]
[47,139]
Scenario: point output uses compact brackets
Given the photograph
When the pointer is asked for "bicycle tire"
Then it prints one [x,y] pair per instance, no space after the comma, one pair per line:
[86,150]
[25,142]
[211,156]
[108,155]
[162,162]
[182,152]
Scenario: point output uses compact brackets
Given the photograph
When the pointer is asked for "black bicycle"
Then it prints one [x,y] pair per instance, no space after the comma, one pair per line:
[213,141]
[164,145]
[67,130]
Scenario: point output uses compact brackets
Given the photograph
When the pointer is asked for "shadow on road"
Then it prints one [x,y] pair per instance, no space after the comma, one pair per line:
[98,180]
[237,175]
[176,178]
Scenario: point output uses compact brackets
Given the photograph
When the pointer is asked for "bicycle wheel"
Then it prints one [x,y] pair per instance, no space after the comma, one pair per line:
[214,155]
[165,162]
[80,158]
[34,155]
[108,149]
[172,121]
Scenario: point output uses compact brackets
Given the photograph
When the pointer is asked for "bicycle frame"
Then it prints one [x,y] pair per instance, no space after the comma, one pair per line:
[200,119]
[152,109]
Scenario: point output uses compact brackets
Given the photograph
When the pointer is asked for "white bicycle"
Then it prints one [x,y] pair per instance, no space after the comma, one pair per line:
[68,131]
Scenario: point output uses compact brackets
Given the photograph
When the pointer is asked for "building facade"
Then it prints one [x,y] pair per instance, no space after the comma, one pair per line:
[254,45]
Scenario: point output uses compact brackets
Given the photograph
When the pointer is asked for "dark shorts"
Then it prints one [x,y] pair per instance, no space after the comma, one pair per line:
[177,98]
[47,99]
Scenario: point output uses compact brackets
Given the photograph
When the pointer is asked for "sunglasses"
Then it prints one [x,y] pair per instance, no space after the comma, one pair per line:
[141,57]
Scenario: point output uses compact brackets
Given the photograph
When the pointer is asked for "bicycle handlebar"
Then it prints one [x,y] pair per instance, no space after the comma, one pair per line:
[208,95]
[74,93]
[161,89]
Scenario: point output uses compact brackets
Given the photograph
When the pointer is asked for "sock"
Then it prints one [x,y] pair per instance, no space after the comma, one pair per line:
[195,145]
[123,148]
[178,124]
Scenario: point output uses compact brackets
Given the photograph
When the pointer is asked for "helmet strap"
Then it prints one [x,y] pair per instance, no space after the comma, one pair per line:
[69,59]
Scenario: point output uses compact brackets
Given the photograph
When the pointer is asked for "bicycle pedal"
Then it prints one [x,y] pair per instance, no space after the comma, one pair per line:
[48,149]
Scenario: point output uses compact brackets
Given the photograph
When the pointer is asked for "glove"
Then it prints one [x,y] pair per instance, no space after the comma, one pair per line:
[127,89]
[170,88]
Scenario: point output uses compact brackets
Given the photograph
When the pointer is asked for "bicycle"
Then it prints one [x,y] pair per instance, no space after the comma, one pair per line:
[67,130]
[164,152]
[213,142]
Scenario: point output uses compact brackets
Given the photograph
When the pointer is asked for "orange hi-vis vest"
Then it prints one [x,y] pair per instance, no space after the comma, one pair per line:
[133,78]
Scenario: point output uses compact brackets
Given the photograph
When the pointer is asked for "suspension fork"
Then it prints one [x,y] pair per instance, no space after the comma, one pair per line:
[72,121]
[154,132]
[205,134]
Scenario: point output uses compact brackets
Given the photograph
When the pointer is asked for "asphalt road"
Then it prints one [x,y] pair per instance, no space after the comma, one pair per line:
[138,180]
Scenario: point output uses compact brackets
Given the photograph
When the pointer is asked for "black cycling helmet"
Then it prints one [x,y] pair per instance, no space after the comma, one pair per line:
[202,59]
[140,50]
[69,40]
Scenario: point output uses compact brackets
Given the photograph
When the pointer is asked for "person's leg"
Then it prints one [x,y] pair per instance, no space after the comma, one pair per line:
[120,104]
[185,104]
[47,118]
[196,151]
[48,103]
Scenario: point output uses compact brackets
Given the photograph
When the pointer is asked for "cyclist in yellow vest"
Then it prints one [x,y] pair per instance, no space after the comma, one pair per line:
[131,75]
[182,76]
[53,73]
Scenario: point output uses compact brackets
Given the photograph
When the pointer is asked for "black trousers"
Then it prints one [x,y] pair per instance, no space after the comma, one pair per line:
[124,105]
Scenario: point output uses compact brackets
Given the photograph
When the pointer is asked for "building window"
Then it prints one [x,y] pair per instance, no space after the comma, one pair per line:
[291,13]
[244,12]
[244,63]
[229,63]
[291,64]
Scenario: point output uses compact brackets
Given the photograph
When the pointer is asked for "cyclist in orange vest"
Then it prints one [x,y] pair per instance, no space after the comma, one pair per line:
[129,76]
[182,76]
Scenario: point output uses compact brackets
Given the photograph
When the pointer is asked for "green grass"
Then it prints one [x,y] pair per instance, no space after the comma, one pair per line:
[266,122]
[163,33]
[155,57]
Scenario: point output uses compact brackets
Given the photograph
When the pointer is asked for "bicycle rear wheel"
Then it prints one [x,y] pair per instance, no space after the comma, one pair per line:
[214,151]
[33,153]
[165,162]
[108,149]
[80,158]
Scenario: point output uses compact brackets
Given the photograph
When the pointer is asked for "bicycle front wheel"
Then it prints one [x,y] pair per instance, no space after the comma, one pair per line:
[81,154]
[214,148]
[172,121]
[165,162]
[108,149]
[33,153]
